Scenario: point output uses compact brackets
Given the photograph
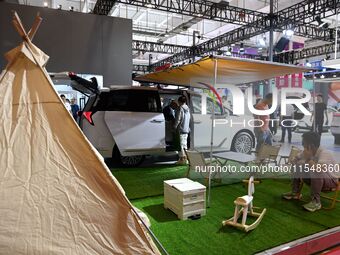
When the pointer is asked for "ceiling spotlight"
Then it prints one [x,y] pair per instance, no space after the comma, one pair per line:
[321,24]
[241,49]
[334,75]
[219,52]
[261,42]
[322,76]
[71,8]
[229,50]
[328,57]
[45,4]
[288,33]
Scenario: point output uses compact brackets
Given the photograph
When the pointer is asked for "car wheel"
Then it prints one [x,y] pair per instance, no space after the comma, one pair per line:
[243,142]
[126,161]
[337,139]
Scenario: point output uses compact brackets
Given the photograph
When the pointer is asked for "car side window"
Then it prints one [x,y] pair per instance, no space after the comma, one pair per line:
[152,104]
[144,101]
[129,100]
[167,97]
[112,101]
[196,104]
[211,104]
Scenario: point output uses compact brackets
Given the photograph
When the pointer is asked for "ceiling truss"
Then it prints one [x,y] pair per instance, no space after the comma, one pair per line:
[325,8]
[291,57]
[298,17]
[157,47]
[196,8]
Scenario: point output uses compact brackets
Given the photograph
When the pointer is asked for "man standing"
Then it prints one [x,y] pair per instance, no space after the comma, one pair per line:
[182,125]
[74,109]
[261,130]
[315,167]
[67,104]
[273,125]
[286,123]
[320,112]
[169,116]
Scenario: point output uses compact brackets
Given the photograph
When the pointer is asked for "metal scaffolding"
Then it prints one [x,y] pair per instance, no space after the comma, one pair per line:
[297,17]
[140,68]
[286,18]
[290,57]
[103,7]
[157,47]
[196,8]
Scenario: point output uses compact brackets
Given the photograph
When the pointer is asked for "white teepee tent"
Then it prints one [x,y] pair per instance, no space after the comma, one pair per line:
[56,194]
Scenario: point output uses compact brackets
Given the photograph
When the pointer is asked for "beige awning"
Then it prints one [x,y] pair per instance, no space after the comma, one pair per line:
[229,71]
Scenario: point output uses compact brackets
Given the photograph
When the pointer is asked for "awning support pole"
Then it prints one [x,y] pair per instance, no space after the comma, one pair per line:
[336,33]
[271,31]
[314,110]
[212,132]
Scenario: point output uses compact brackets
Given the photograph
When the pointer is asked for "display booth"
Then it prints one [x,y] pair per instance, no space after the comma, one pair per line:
[217,72]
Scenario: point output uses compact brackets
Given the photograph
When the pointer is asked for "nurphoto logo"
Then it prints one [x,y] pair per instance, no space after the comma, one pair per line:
[239,105]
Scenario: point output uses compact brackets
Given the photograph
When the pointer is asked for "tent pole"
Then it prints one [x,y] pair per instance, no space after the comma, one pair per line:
[150,231]
[314,110]
[271,32]
[336,34]
[212,131]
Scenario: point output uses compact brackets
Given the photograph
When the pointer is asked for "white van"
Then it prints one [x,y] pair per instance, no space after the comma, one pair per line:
[127,123]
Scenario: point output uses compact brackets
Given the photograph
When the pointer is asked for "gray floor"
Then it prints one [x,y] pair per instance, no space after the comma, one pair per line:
[327,141]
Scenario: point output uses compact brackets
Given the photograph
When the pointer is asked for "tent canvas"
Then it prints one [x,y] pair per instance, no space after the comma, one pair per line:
[56,195]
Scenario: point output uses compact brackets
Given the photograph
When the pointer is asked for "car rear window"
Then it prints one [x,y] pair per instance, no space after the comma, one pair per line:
[129,100]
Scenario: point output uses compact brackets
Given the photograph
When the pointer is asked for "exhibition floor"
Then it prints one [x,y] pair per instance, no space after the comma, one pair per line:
[284,221]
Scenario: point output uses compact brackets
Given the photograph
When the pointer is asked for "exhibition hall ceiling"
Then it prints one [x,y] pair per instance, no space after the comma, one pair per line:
[171,28]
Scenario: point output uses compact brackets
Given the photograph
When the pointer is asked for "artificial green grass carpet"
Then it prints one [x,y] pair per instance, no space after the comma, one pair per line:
[284,221]
[147,181]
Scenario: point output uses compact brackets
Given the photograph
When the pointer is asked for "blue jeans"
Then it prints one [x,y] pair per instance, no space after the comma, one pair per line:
[262,137]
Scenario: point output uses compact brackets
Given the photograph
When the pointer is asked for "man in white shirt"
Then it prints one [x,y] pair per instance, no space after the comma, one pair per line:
[286,123]
[67,104]
[182,125]
[315,167]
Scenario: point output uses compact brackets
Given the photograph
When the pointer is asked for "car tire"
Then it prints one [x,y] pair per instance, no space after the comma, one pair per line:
[126,161]
[243,142]
[337,139]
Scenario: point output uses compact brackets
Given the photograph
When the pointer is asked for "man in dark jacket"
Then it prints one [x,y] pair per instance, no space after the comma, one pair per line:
[320,112]
[169,116]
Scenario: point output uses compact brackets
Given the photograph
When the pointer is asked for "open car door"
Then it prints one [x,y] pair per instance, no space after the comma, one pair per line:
[78,83]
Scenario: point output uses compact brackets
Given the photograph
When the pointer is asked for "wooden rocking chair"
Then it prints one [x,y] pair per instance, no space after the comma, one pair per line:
[244,207]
